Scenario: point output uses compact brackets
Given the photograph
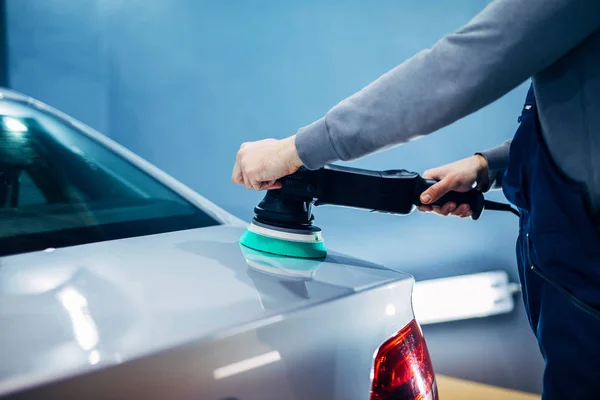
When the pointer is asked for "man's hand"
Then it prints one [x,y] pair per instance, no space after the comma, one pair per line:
[459,176]
[258,165]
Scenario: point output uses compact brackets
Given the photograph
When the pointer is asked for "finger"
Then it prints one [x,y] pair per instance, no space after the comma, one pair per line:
[246,181]
[437,210]
[434,173]
[425,208]
[466,214]
[267,185]
[275,185]
[236,175]
[461,209]
[448,208]
[435,192]
[256,185]
[254,178]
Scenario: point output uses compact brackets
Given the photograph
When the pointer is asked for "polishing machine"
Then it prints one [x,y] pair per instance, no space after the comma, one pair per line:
[283,222]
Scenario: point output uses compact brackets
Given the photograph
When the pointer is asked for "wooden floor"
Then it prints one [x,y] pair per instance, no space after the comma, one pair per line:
[458,389]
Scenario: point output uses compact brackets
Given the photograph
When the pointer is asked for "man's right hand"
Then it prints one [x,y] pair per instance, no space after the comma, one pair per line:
[259,165]
[459,176]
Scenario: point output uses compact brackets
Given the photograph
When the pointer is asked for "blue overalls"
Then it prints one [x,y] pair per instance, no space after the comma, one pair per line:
[558,254]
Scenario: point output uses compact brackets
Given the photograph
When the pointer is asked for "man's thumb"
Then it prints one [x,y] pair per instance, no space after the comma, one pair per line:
[435,192]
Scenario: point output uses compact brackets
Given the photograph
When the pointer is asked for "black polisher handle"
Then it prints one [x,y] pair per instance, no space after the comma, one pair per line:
[474,198]
[391,191]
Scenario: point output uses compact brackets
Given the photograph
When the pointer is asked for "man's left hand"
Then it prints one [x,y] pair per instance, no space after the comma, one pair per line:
[459,176]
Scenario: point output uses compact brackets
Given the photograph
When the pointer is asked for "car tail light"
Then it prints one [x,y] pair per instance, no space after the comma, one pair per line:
[403,369]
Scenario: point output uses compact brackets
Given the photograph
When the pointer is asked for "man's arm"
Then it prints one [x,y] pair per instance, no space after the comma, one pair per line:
[508,42]
[497,162]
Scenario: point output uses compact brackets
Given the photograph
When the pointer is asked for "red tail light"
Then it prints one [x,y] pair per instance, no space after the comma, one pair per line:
[403,368]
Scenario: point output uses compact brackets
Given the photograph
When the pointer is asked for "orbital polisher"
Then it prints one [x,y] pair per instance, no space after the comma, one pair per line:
[283,222]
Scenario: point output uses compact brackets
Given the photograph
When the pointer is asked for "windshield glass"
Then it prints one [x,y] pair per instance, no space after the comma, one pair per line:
[60,187]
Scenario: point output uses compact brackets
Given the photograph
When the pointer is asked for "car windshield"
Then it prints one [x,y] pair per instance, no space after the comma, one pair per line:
[60,187]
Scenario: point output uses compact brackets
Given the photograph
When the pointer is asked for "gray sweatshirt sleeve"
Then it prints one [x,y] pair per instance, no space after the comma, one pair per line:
[497,160]
[508,42]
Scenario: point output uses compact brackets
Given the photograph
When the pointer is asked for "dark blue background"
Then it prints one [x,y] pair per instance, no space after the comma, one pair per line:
[183,83]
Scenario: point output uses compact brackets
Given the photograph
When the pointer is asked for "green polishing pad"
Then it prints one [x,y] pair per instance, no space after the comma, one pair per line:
[289,248]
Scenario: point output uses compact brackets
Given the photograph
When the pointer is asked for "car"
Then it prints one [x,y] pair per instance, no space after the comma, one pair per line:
[119,282]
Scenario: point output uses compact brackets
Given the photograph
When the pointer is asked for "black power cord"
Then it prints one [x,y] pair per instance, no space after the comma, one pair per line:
[495,206]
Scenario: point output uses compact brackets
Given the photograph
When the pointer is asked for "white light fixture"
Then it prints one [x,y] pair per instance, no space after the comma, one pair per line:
[463,297]
[246,365]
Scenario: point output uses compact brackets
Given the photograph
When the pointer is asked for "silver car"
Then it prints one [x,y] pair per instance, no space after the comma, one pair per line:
[118,282]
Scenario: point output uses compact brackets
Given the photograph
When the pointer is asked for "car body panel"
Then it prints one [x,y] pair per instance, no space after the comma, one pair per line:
[68,311]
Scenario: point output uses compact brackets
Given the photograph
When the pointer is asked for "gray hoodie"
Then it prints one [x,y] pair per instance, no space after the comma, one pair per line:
[554,42]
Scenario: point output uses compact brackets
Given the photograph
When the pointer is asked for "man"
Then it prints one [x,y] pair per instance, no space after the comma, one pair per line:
[550,170]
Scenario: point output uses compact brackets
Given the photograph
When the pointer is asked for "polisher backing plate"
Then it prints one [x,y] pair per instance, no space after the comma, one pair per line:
[284,242]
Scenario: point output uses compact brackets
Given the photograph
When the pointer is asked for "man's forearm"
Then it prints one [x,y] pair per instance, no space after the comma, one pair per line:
[497,162]
[499,49]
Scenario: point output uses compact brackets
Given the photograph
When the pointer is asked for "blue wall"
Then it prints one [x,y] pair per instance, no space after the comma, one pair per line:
[184,83]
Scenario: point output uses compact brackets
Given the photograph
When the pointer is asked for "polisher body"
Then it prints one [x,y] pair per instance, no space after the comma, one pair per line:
[283,222]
